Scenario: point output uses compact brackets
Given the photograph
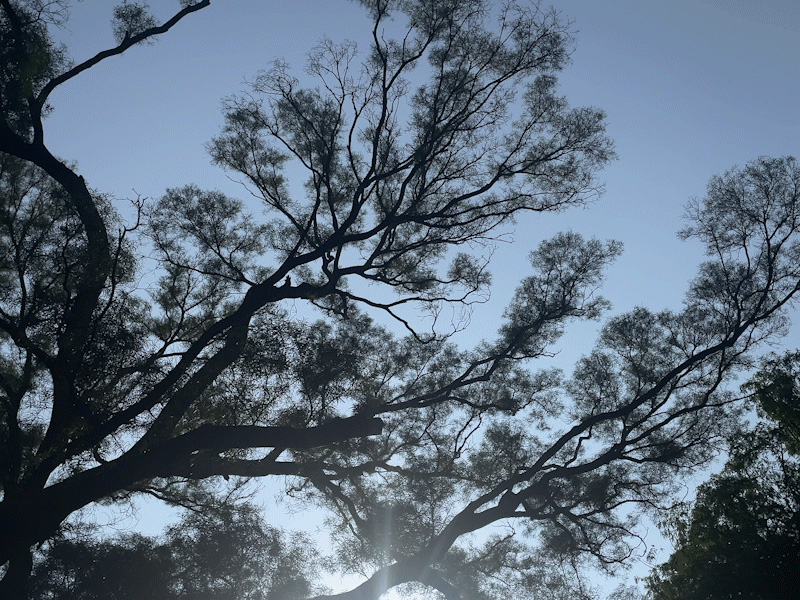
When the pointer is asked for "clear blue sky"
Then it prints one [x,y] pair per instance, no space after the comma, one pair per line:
[690,88]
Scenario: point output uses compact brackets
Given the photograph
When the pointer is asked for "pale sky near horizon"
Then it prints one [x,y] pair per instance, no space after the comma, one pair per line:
[691,88]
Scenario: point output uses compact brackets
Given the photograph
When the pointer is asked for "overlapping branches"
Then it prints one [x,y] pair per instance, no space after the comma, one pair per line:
[411,442]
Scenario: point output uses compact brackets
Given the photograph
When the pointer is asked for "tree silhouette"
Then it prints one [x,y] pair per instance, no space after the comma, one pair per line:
[224,552]
[409,442]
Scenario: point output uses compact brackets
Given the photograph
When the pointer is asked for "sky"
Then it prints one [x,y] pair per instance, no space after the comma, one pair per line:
[691,88]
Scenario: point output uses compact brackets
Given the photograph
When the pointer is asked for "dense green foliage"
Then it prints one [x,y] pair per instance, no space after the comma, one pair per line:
[741,538]
[776,392]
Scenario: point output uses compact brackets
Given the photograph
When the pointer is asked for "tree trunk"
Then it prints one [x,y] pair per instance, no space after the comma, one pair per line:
[14,585]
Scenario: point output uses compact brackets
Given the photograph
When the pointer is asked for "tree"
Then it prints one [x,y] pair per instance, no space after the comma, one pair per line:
[224,552]
[776,391]
[741,538]
[409,442]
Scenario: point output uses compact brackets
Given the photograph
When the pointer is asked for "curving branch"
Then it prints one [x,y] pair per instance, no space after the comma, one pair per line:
[129,41]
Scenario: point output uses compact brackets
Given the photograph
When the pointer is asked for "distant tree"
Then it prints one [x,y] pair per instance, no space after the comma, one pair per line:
[224,553]
[409,442]
[133,567]
[741,538]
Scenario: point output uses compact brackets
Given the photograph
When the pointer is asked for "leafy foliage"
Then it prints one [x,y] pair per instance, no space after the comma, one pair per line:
[28,60]
[130,19]
[462,472]
[741,538]
[776,388]
[224,553]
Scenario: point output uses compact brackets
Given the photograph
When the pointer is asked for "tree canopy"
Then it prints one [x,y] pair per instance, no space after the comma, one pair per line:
[409,442]
[225,551]
[741,537]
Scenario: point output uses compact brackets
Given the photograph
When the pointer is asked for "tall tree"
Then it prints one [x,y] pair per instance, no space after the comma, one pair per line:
[409,442]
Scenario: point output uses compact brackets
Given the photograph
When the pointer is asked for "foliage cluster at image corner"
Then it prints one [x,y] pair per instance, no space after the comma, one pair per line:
[409,444]
[740,538]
